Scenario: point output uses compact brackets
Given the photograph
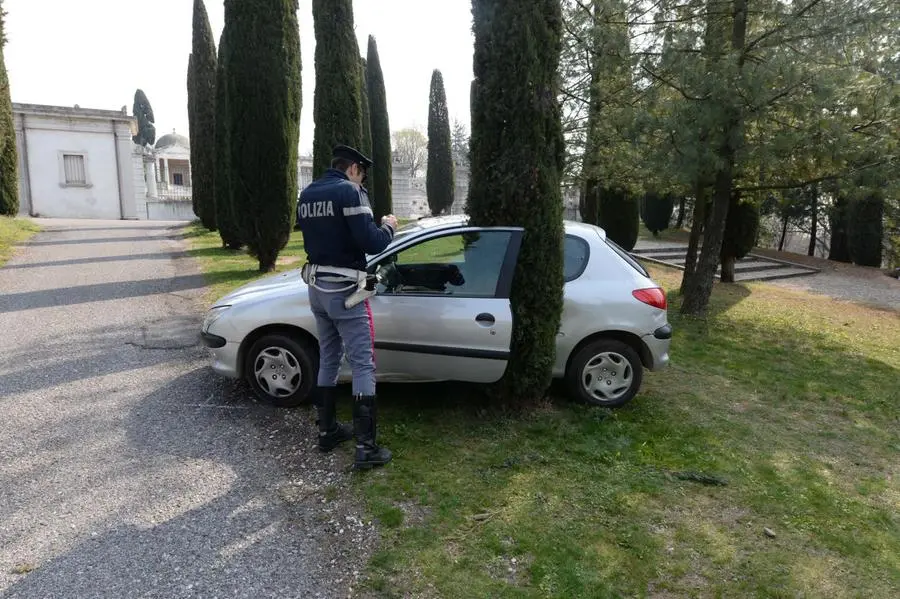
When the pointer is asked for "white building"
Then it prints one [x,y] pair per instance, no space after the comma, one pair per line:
[75,162]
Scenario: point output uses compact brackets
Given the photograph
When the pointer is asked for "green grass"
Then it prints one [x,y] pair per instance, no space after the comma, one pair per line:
[787,400]
[14,231]
[225,269]
[670,234]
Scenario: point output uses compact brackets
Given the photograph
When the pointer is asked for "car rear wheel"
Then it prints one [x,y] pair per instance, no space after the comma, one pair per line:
[606,373]
[281,369]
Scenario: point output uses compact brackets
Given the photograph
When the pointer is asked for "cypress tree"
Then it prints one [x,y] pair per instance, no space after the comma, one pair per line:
[839,249]
[143,112]
[228,229]
[264,102]
[656,211]
[366,145]
[191,110]
[337,113]
[866,229]
[619,216]
[439,183]
[381,175]
[9,156]
[202,116]
[517,151]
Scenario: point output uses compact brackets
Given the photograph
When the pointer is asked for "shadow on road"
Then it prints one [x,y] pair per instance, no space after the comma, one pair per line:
[91,240]
[67,296]
[101,259]
[214,514]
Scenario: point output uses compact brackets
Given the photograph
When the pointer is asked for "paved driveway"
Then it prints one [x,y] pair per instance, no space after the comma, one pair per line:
[126,468]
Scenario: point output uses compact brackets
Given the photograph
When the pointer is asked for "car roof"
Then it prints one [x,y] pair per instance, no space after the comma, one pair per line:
[431,223]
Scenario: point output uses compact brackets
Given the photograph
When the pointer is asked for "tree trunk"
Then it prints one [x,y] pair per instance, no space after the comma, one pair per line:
[681,203]
[698,286]
[699,217]
[784,225]
[727,274]
[814,208]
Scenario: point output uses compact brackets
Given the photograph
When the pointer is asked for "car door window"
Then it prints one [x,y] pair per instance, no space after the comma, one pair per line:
[460,265]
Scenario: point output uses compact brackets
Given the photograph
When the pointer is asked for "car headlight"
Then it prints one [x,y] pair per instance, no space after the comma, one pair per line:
[213,315]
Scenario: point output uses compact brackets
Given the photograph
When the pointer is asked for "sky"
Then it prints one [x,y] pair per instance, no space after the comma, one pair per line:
[96,53]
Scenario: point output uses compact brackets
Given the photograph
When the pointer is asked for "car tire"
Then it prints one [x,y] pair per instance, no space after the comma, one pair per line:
[620,364]
[281,369]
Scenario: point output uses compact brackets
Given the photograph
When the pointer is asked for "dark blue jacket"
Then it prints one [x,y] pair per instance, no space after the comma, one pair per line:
[336,219]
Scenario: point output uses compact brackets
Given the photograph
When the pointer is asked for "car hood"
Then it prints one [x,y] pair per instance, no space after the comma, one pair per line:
[285,283]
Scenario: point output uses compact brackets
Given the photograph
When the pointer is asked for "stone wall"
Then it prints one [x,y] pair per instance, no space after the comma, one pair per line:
[140,182]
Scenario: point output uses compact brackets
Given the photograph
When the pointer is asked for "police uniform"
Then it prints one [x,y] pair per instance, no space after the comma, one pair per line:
[339,229]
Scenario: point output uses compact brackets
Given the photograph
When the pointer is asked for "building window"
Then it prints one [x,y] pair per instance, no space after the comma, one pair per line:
[73,165]
[74,169]
[178,179]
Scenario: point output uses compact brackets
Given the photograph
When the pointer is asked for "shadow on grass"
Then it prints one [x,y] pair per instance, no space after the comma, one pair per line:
[797,424]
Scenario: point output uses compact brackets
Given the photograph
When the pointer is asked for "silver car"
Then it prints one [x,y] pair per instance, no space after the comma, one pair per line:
[433,327]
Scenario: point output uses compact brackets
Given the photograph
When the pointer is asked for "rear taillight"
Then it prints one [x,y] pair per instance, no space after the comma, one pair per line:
[653,296]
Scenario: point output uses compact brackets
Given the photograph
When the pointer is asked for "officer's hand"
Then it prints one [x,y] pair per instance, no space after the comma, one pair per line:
[391,220]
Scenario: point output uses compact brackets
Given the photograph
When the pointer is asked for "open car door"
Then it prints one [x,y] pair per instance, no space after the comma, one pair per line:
[442,310]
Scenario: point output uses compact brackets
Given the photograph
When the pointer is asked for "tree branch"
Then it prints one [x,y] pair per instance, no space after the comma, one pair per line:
[799,184]
[677,88]
[748,47]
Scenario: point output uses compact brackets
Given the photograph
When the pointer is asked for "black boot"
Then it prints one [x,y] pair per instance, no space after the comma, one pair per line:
[368,454]
[331,432]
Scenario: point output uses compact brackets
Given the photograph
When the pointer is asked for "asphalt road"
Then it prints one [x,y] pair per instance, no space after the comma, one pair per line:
[127,468]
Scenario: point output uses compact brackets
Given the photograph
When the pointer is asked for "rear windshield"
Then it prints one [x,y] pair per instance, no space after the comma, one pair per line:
[627,257]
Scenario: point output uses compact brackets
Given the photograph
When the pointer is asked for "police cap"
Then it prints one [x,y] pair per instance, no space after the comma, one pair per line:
[351,154]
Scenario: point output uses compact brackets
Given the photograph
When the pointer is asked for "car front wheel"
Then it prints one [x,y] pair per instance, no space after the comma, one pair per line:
[281,370]
[605,373]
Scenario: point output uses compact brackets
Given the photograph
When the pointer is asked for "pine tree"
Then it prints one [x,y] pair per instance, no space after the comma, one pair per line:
[439,183]
[337,112]
[202,116]
[264,103]
[9,157]
[366,145]
[518,155]
[381,175]
[225,218]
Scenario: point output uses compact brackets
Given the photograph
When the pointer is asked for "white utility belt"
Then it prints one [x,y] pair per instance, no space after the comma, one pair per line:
[358,279]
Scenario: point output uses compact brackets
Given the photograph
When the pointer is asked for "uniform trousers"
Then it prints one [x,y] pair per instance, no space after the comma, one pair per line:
[341,329]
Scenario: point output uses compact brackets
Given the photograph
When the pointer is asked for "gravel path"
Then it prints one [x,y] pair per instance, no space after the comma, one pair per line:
[127,469]
[840,281]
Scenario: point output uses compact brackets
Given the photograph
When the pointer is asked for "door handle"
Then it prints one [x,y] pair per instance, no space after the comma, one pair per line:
[485,318]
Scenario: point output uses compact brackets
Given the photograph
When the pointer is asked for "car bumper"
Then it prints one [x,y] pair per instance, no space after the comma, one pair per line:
[223,355]
[657,344]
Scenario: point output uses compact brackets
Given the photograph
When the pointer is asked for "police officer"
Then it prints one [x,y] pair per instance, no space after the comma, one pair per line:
[339,229]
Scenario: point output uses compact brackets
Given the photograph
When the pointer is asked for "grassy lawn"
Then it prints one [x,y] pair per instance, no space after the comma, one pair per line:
[14,231]
[763,463]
